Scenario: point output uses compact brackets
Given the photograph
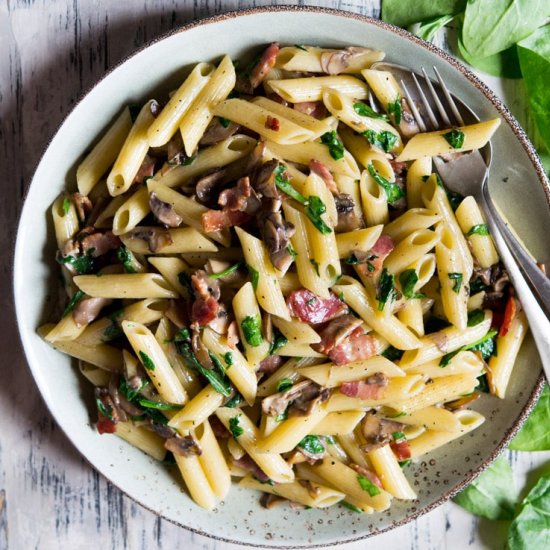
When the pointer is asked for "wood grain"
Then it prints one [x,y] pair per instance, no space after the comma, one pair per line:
[52,52]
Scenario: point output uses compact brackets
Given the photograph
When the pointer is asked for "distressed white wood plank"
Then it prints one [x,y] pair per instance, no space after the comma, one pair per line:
[50,498]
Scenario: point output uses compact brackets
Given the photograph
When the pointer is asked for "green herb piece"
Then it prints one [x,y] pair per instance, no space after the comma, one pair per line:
[330,439]
[408,280]
[126,258]
[235,401]
[477,285]
[284,385]
[283,416]
[486,345]
[447,358]
[386,289]
[254,276]
[455,138]
[428,29]
[534,59]
[283,183]
[492,494]
[147,361]
[457,278]
[113,331]
[395,109]
[531,527]
[398,436]
[534,434]
[279,341]
[83,265]
[217,363]
[66,205]
[226,272]
[106,411]
[291,251]
[351,507]
[316,267]
[252,330]
[234,427]
[475,317]
[404,463]
[393,354]
[128,392]
[494,25]
[335,146]
[148,404]
[78,295]
[367,485]
[314,210]
[480,229]
[352,259]
[393,191]
[183,346]
[300,47]
[189,160]
[224,122]
[483,384]
[312,444]
[363,109]
[384,140]
[228,358]
[185,281]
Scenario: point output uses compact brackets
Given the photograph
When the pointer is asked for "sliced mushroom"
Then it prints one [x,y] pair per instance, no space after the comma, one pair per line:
[155,237]
[208,186]
[347,216]
[164,211]
[86,310]
[183,446]
[217,132]
[378,431]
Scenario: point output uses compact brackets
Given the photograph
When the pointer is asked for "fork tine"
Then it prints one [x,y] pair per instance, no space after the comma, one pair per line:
[412,107]
[436,99]
[449,98]
[425,103]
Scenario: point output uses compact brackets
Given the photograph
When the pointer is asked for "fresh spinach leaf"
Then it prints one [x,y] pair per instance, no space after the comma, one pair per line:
[403,14]
[534,59]
[383,140]
[312,444]
[531,527]
[457,278]
[147,361]
[362,109]
[428,28]
[386,291]
[234,427]
[335,146]
[492,494]
[252,330]
[504,64]
[254,276]
[479,229]
[394,108]
[392,354]
[475,317]
[283,183]
[284,385]
[393,191]
[367,485]
[494,25]
[78,295]
[225,272]
[314,210]
[534,434]
[408,280]
[455,138]
[126,258]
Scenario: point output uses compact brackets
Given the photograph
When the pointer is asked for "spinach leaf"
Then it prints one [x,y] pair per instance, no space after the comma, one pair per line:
[531,527]
[362,109]
[228,358]
[403,14]
[428,28]
[234,401]
[234,427]
[455,138]
[224,122]
[392,354]
[335,146]
[492,494]
[225,272]
[284,385]
[254,276]
[457,278]
[408,280]
[252,330]
[535,435]
[314,210]
[494,25]
[312,444]
[383,140]
[393,191]
[394,108]
[78,295]
[534,59]
[147,361]
[367,485]
[279,341]
[504,64]
[66,205]
[479,229]
[486,345]
[475,317]
[126,258]
[283,183]
[386,291]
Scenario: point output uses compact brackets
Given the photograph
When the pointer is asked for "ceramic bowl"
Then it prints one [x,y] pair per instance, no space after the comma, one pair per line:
[517,183]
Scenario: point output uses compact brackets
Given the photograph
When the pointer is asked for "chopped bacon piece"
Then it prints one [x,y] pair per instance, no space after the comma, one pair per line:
[99,243]
[374,258]
[216,220]
[372,388]
[272,123]
[355,347]
[204,311]
[266,63]
[317,167]
[310,308]
[401,449]
[105,425]
[509,315]
[83,206]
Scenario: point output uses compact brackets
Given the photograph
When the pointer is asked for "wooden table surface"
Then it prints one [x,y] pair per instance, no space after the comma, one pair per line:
[51,51]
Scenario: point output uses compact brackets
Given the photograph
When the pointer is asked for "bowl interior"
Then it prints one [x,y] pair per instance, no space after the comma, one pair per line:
[151,73]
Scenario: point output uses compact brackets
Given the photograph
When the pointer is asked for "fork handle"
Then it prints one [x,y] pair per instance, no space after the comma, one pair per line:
[539,323]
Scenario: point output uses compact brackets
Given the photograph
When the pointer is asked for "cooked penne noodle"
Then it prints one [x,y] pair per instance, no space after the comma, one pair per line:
[127,285]
[178,241]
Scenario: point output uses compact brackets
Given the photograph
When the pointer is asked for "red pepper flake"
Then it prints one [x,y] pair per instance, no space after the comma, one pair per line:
[273,123]
[509,315]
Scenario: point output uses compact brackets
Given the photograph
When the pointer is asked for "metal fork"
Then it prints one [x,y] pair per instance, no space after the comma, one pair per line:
[468,175]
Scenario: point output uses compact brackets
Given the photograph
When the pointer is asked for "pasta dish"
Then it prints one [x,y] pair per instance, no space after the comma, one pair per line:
[266,281]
